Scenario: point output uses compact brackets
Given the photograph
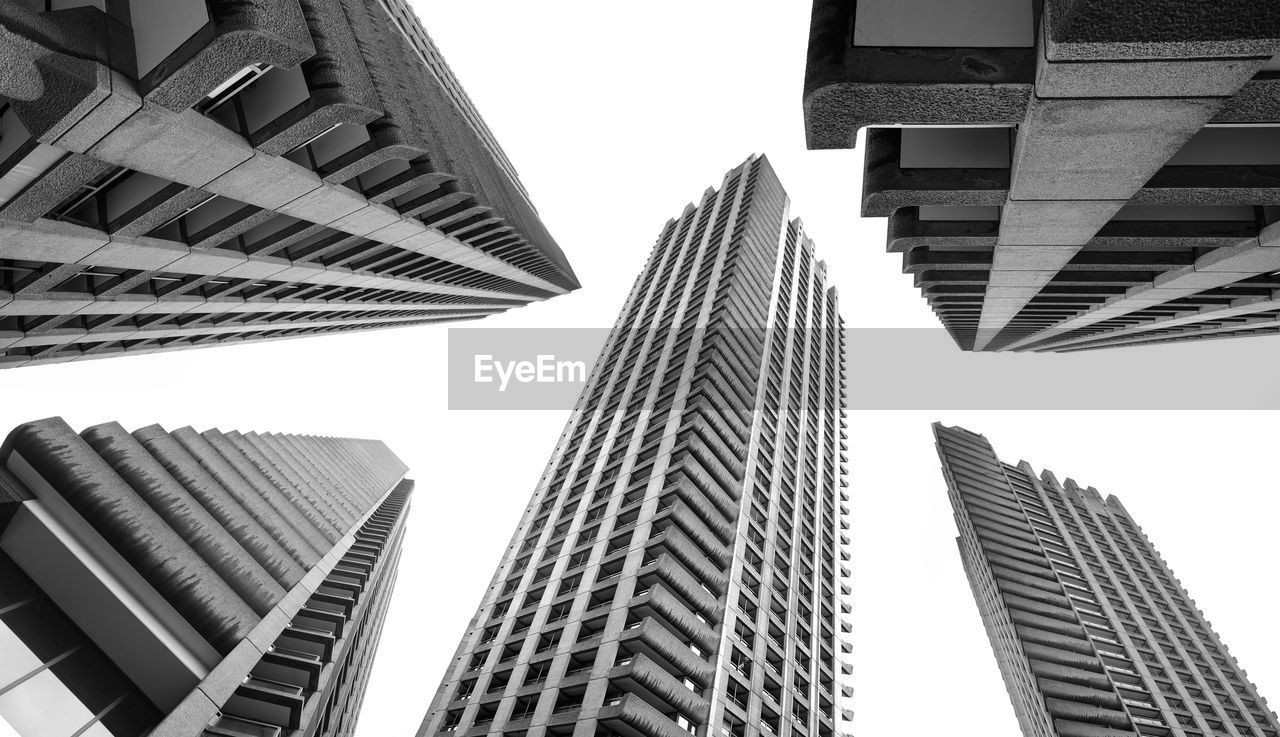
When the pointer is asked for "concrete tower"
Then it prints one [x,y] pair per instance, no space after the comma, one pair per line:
[678,568]
[1094,634]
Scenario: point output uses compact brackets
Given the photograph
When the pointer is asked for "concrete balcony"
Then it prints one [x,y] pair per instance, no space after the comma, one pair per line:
[1038,580]
[1057,662]
[631,716]
[716,429]
[650,681]
[1009,554]
[1081,669]
[1058,640]
[697,451]
[725,499]
[1063,613]
[1087,713]
[688,493]
[713,542]
[671,612]
[1069,728]
[1050,624]
[1034,593]
[693,558]
[670,572]
[660,644]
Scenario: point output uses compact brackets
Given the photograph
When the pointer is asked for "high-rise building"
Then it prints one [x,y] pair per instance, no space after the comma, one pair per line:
[1066,175]
[1094,635]
[185,173]
[192,584]
[678,569]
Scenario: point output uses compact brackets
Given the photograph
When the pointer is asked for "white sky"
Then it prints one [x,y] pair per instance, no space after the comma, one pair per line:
[616,115]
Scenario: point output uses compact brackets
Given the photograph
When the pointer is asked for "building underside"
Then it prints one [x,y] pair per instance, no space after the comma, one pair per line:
[1069,175]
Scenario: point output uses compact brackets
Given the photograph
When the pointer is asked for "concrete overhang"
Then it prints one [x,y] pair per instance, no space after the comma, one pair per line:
[105,596]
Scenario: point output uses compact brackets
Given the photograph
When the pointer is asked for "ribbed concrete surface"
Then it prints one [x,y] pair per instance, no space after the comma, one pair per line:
[222,526]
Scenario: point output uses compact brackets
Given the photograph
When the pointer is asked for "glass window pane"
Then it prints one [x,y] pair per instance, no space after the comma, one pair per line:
[45,630]
[16,659]
[91,678]
[14,584]
[41,706]
[132,717]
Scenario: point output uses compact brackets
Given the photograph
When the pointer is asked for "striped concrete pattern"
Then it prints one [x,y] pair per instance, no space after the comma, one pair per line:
[223,526]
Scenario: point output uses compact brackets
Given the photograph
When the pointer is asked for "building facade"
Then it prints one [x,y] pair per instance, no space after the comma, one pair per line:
[185,173]
[1065,175]
[679,568]
[192,584]
[1094,635]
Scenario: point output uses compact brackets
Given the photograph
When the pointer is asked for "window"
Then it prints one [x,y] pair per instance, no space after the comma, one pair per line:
[524,707]
[499,682]
[581,663]
[452,719]
[559,611]
[537,672]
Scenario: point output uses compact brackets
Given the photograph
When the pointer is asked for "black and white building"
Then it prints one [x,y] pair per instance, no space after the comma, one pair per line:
[187,173]
[192,584]
[681,565]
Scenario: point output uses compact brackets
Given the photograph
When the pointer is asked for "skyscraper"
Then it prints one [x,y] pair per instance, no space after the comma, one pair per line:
[1094,634]
[191,584]
[677,570]
[1066,175]
[186,173]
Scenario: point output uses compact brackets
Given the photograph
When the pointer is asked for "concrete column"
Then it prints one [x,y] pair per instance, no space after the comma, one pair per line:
[1120,88]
